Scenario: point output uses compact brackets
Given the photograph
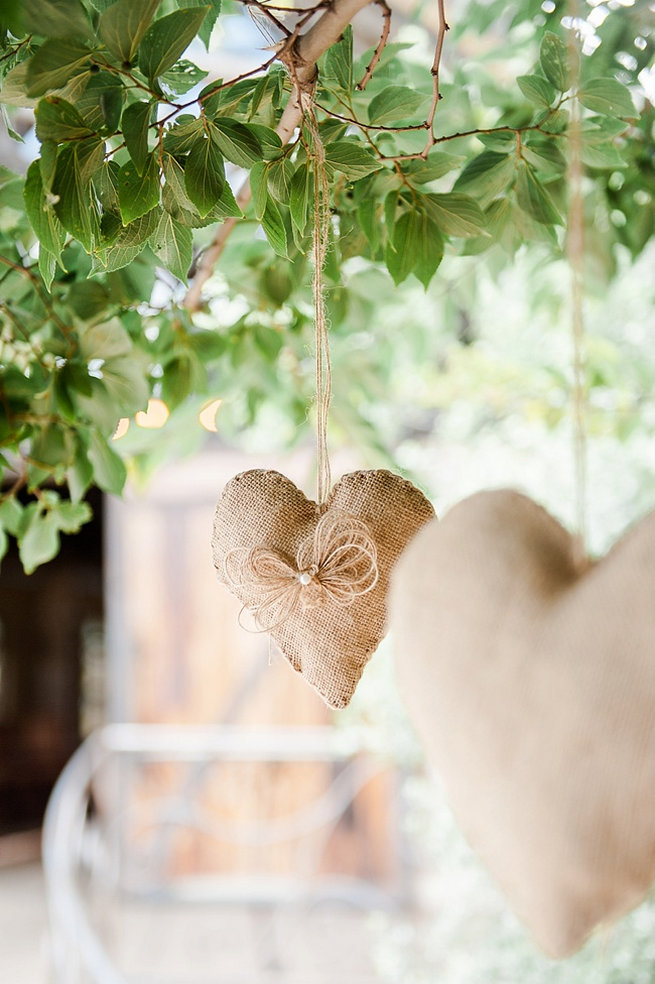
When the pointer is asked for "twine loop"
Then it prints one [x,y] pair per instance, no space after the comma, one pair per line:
[336,564]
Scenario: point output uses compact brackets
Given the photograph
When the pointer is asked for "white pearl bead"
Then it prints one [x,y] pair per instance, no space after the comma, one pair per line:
[304,578]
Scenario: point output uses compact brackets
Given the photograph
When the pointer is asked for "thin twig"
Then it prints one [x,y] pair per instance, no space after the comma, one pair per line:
[386,27]
[369,126]
[14,51]
[27,272]
[436,95]
[21,480]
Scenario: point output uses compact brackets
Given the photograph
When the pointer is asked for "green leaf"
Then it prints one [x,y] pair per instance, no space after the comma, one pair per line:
[70,516]
[227,205]
[207,26]
[138,193]
[607,96]
[49,447]
[351,158]
[14,88]
[167,39]
[11,515]
[88,299]
[498,215]
[395,103]
[390,208]
[123,25]
[554,122]
[537,89]
[54,64]
[546,157]
[105,181]
[217,100]
[437,164]
[173,244]
[57,120]
[487,175]
[534,199]
[338,68]
[125,381]
[122,244]
[429,250]
[117,238]
[273,226]
[55,18]
[47,266]
[267,91]
[174,197]
[455,214]
[368,214]
[204,177]
[48,163]
[268,139]
[108,340]
[558,63]
[502,141]
[136,118]
[301,194]
[402,248]
[74,206]
[208,345]
[102,101]
[278,177]
[11,195]
[90,155]
[601,154]
[108,468]
[184,75]
[40,542]
[183,134]
[79,475]
[259,188]
[236,141]
[49,230]
[177,381]
[4,543]
[116,258]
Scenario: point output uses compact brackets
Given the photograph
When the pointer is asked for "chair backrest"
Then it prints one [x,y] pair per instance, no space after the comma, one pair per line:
[150,827]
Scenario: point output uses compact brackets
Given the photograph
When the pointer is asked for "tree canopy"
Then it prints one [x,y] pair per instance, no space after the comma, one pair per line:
[152,175]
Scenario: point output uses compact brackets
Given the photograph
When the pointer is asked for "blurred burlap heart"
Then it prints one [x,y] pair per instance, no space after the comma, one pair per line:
[532,685]
[316,577]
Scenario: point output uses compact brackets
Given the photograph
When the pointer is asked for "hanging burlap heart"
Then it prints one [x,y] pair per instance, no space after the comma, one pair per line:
[532,685]
[317,577]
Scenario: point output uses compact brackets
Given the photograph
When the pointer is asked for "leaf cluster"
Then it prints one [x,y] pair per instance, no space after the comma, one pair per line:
[139,162]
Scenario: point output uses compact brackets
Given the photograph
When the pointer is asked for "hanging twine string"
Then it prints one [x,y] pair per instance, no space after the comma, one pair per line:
[575,248]
[337,563]
[319,251]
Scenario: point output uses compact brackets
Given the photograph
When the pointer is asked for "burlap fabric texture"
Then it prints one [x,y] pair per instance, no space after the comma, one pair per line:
[531,682]
[330,637]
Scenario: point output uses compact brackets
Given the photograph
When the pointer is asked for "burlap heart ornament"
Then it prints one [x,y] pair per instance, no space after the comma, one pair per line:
[315,576]
[531,683]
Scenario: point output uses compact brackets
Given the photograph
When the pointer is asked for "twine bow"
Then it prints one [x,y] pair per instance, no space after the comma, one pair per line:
[336,564]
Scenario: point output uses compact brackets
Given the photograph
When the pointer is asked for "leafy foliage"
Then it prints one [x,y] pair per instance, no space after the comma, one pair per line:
[137,167]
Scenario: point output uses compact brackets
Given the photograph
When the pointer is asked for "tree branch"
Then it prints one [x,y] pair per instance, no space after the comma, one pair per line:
[300,56]
[436,95]
[386,26]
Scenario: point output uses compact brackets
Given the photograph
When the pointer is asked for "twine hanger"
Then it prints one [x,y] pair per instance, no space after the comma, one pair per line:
[337,564]
[575,250]
[321,233]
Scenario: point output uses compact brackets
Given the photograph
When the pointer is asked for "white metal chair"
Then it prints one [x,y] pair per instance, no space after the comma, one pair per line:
[100,880]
